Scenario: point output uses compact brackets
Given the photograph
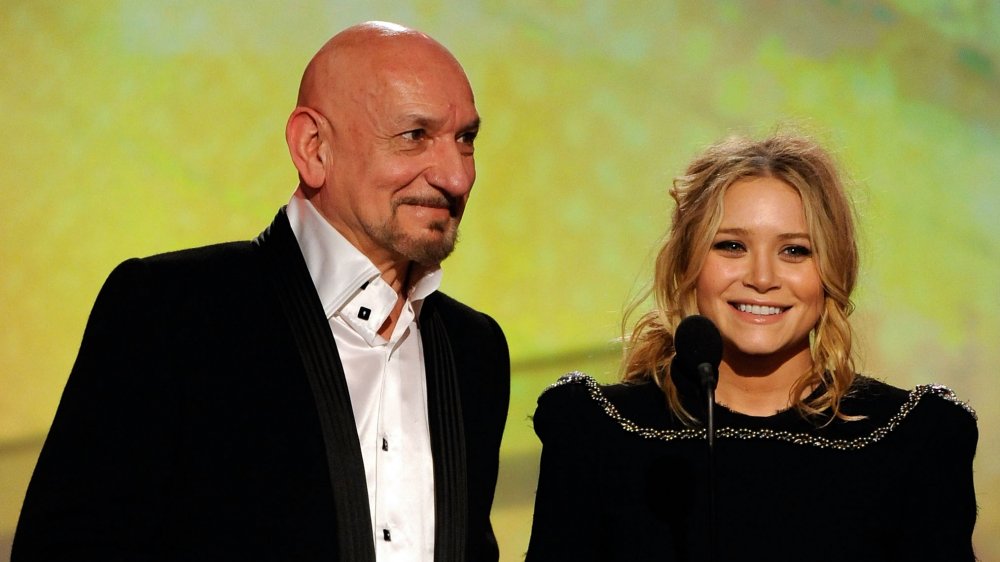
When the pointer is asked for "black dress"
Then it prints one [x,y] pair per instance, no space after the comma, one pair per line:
[623,479]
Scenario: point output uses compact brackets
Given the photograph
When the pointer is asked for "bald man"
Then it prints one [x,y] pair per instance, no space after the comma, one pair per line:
[310,394]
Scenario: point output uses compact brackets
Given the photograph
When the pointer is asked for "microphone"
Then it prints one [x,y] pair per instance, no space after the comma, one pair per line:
[698,347]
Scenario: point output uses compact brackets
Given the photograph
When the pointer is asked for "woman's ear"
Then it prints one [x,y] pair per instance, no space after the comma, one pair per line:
[303,133]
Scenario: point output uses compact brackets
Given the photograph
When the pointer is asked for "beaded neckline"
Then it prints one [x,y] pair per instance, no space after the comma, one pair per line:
[798,438]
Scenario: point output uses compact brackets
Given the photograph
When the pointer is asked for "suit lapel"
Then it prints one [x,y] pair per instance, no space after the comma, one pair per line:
[311,331]
[444,408]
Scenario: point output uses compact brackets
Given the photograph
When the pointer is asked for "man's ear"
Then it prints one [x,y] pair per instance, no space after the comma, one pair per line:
[306,144]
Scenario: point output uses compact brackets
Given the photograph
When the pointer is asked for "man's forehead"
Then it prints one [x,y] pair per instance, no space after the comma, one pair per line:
[405,81]
[420,90]
[402,71]
[430,109]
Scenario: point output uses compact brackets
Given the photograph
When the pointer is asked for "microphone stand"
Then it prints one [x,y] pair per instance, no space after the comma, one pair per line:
[709,379]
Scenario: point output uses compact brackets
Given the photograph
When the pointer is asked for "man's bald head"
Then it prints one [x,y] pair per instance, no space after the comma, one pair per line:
[361,52]
[383,139]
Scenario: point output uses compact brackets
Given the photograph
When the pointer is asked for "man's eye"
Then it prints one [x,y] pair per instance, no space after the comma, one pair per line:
[414,135]
[468,138]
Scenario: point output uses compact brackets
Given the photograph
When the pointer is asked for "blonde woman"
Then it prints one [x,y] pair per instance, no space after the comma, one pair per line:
[811,460]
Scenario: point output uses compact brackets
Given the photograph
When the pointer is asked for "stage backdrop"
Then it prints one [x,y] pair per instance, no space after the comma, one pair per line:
[137,127]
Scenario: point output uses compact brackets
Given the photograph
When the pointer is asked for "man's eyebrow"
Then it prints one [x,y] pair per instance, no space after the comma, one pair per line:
[418,119]
[472,125]
[424,122]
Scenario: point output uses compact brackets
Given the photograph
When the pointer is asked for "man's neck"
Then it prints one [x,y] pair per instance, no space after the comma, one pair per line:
[398,277]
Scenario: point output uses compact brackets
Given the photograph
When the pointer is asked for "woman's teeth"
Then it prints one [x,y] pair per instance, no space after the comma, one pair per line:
[759,310]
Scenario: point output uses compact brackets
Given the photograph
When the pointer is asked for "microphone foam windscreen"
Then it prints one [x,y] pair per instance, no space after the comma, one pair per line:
[698,341]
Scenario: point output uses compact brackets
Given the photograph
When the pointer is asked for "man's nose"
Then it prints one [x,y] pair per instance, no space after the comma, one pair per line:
[453,169]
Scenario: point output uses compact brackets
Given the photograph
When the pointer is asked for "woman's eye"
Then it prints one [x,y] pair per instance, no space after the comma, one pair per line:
[797,251]
[728,246]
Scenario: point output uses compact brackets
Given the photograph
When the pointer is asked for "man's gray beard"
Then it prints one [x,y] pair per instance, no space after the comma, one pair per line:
[423,252]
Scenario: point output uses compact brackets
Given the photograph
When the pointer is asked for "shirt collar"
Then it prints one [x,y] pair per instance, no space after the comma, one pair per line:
[338,269]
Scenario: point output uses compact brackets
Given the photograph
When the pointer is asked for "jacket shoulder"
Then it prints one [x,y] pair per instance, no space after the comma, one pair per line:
[219,258]
[456,310]
[464,322]
[227,268]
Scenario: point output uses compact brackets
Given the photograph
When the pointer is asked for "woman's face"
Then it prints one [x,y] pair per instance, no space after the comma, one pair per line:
[760,283]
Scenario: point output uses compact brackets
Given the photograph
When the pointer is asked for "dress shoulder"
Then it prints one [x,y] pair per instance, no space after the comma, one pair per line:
[871,397]
[573,383]
[926,413]
[564,406]
[577,387]
[581,405]
[948,396]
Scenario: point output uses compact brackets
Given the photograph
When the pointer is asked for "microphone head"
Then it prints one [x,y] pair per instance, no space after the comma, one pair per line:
[698,341]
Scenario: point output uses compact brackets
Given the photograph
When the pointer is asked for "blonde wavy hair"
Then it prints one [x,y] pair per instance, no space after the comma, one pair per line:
[802,164]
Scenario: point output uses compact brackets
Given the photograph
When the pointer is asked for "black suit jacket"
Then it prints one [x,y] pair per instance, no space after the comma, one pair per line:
[207,418]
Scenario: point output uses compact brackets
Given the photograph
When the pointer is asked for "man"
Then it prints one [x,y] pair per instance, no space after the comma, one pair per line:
[308,395]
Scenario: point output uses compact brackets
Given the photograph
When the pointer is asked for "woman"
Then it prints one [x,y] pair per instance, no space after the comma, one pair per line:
[811,461]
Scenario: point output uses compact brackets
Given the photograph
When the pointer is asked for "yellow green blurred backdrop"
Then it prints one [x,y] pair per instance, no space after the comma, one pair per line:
[140,126]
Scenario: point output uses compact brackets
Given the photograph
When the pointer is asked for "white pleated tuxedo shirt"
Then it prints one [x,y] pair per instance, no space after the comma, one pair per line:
[386,379]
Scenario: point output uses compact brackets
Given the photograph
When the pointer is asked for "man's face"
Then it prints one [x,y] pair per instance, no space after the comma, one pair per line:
[401,160]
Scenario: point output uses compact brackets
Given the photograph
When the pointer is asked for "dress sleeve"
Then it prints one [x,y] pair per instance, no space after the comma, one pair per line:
[98,488]
[939,507]
[567,511]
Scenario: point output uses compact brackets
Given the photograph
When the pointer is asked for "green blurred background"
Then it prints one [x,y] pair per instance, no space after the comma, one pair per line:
[141,126]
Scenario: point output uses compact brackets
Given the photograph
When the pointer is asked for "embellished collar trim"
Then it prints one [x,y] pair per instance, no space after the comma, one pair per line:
[796,437]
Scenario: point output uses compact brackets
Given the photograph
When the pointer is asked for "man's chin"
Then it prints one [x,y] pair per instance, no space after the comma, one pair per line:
[427,243]
[430,249]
